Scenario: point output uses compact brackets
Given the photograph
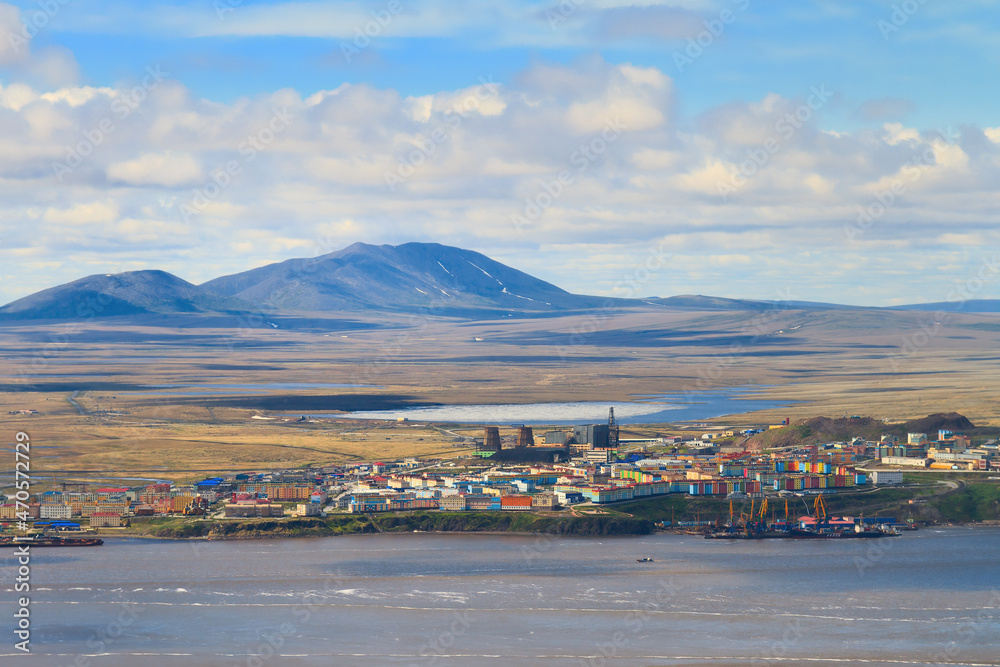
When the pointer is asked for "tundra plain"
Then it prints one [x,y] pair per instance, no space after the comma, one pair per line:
[175,398]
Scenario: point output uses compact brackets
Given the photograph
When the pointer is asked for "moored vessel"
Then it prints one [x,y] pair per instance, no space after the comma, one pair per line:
[50,541]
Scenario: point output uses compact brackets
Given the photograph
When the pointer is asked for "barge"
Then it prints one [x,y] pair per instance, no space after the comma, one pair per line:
[50,541]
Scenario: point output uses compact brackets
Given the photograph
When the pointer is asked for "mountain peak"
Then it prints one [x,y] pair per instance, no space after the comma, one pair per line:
[407,277]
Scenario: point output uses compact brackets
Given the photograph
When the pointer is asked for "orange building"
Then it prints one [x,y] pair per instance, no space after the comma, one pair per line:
[515,503]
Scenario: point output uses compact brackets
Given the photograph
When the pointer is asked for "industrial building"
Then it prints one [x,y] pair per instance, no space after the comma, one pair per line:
[555,438]
[595,435]
[491,442]
[598,436]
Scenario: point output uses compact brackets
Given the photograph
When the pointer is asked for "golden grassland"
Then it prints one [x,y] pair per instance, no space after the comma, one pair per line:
[872,363]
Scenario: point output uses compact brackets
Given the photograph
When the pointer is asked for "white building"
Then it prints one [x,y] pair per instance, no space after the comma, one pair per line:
[887,476]
[916,438]
[905,461]
[55,511]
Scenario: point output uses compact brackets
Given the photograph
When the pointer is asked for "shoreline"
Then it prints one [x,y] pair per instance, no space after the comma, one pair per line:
[276,535]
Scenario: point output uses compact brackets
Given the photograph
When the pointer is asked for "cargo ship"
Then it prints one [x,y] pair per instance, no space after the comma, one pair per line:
[802,534]
[817,526]
[858,532]
[50,541]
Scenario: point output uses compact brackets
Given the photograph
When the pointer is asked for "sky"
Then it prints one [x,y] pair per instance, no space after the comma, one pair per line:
[826,150]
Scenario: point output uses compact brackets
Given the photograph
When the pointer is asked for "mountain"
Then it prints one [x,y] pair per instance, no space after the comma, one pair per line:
[404,278]
[425,278]
[120,294]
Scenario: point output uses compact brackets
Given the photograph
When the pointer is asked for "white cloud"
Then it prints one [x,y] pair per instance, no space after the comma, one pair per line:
[13,43]
[53,65]
[106,211]
[16,95]
[75,97]
[896,133]
[167,169]
[323,177]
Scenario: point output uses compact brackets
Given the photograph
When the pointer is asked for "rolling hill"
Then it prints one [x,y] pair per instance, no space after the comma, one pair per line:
[121,294]
[819,430]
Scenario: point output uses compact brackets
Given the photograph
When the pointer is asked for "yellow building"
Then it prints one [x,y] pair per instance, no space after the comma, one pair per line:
[178,503]
[105,520]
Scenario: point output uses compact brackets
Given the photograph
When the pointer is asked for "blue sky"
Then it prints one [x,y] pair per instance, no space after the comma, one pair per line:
[907,103]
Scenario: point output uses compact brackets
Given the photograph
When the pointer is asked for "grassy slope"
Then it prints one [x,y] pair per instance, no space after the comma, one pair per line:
[514,522]
[977,501]
[401,523]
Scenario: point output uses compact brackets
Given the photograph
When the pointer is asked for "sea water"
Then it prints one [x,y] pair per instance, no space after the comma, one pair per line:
[927,597]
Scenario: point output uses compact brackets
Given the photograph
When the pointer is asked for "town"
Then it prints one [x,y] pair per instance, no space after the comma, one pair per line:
[586,466]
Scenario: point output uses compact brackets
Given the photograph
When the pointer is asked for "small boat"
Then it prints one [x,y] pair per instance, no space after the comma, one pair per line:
[644,560]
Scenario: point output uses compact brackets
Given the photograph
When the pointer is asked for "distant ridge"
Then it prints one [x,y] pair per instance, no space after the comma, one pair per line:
[699,302]
[967,306]
[427,278]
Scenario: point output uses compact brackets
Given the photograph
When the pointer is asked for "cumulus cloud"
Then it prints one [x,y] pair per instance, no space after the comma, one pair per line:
[53,65]
[106,211]
[13,43]
[165,169]
[587,155]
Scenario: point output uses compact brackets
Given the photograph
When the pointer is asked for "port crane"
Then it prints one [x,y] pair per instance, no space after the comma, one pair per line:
[819,507]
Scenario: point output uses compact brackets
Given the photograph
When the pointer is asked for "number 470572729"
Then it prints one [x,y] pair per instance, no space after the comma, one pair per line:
[22,477]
